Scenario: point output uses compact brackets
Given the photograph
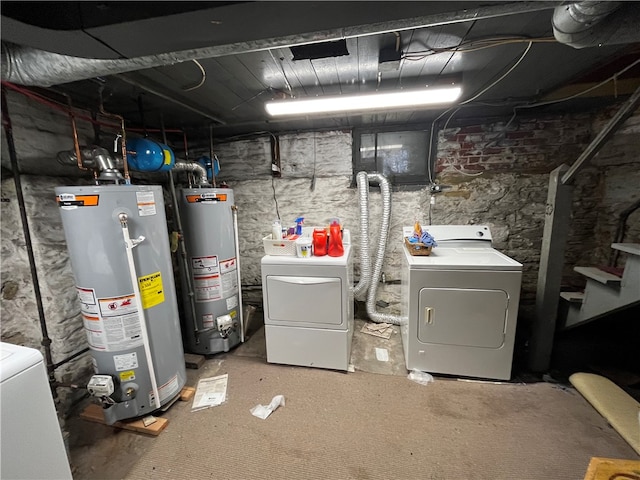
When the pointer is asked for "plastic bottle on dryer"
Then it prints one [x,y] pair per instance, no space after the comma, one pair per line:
[336,248]
[276,230]
[319,242]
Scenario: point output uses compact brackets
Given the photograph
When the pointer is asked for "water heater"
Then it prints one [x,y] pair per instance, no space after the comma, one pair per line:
[210,286]
[119,249]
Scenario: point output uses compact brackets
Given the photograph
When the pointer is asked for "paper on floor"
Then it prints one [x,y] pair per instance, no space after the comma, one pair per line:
[263,412]
[382,330]
[210,392]
[382,354]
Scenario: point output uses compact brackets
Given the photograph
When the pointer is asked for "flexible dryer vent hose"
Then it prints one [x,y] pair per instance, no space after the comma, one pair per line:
[373,279]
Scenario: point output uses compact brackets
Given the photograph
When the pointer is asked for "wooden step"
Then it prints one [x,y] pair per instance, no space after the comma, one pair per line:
[598,275]
[631,248]
[573,297]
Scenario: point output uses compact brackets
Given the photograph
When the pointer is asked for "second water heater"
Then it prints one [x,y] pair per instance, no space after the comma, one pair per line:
[210,286]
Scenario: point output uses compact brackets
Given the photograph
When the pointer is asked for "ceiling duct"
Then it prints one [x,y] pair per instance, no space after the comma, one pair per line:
[315,51]
[596,23]
[29,66]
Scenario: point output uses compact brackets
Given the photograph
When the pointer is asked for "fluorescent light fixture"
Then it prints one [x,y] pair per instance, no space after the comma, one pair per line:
[375,101]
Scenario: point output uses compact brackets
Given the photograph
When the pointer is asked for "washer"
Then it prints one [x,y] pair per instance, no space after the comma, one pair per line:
[308,309]
[32,443]
[461,303]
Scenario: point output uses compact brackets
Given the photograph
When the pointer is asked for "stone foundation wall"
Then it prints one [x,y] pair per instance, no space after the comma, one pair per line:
[490,177]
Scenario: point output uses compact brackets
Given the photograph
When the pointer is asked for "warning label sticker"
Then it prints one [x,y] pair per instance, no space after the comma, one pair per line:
[120,322]
[127,376]
[111,324]
[151,290]
[205,265]
[207,288]
[128,361]
[94,330]
[146,203]
[232,302]
[207,283]
[93,327]
[207,320]
[167,390]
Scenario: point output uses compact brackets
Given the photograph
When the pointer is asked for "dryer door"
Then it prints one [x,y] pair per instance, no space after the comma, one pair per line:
[304,300]
[465,317]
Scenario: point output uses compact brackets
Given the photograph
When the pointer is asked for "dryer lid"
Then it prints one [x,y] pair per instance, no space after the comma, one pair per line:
[463,258]
[478,234]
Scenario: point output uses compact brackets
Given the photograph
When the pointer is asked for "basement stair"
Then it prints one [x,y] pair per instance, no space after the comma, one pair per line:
[605,292]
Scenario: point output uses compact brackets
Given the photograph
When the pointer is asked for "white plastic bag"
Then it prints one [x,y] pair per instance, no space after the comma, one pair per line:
[423,378]
[262,411]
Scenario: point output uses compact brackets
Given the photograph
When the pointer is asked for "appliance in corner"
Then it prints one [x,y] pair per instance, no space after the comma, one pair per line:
[32,444]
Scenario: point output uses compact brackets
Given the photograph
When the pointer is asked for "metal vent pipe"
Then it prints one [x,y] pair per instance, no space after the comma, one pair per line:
[29,66]
[194,168]
[596,23]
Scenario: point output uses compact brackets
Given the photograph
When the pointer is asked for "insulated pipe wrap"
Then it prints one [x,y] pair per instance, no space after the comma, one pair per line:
[194,168]
[29,66]
[589,24]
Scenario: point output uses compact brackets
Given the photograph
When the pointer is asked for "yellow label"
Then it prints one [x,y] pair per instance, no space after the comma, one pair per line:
[233,314]
[127,376]
[167,157]
[151,290]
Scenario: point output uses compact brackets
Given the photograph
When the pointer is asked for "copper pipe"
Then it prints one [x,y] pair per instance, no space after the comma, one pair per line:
[76,142]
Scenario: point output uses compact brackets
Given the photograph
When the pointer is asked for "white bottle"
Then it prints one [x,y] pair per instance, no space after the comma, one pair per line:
[276,230]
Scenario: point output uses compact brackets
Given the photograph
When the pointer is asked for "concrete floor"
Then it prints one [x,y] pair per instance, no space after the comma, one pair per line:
[363,348]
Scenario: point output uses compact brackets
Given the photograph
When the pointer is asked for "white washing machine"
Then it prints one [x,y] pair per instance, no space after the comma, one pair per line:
[461,303]
[308,309]
[32,444]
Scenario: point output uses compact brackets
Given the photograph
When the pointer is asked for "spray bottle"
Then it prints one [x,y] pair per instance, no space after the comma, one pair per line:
[299,222]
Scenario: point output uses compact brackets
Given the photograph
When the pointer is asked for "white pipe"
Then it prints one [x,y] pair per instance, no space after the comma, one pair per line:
[130,244]
[234,209]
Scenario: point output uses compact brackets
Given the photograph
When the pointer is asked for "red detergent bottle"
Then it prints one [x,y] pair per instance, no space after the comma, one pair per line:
[319,242]
[336,249]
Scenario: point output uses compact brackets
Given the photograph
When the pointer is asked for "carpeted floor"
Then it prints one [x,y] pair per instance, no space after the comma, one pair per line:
[373,423]
[368,426]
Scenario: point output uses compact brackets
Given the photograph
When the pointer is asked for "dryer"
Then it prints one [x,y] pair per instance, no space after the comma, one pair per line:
[308,309]
[461,304]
